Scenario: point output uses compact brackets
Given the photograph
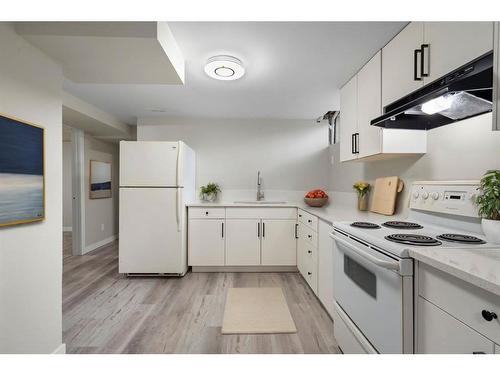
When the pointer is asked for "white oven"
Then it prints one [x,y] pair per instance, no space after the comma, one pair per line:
[373,291]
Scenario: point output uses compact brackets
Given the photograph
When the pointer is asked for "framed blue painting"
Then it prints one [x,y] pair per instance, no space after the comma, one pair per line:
[22,177]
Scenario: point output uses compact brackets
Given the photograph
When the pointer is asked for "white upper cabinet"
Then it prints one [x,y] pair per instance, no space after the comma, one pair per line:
[360,102]
[369,107]
[453,44]
[348,119]
[496,79]
[401,63]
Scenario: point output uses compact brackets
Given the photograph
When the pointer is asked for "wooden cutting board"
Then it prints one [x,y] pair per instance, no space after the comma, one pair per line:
[384,195]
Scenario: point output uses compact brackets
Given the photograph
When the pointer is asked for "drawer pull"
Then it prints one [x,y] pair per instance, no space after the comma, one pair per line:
[309,236]
[300,215]
[206,212]
[478,353]
[488,315]
[309,252]
[309,273]
[309,221]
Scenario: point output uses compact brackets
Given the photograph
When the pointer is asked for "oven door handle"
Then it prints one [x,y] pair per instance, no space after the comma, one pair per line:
[382,263]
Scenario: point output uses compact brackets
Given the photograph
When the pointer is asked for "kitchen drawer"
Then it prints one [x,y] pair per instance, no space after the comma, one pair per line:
[307,235]
[309,252]
[261,213]
[345,338]
[440,333]
[311,274]
[460,299]
[207,212]
[307,219]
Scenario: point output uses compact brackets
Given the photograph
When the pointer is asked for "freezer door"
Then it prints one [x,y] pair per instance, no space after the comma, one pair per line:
[152,164]
[151,231]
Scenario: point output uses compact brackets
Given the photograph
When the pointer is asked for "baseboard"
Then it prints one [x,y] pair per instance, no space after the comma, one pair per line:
[244,269]
[67,229]
[61,349]
[96,245]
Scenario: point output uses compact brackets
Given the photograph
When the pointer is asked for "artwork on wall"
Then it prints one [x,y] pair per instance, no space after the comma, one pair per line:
[22,185]
[100,179]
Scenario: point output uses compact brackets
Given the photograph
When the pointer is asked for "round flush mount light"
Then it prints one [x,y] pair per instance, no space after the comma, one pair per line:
[224,68]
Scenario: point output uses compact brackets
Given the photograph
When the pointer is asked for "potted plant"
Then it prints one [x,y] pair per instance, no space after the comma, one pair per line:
[489,205]
[209,192]
[362,188]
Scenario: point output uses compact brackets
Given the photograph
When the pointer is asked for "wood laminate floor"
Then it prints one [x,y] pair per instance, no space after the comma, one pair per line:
[105,312]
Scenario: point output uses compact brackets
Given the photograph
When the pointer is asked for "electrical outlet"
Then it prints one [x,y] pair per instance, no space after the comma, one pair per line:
[102,227]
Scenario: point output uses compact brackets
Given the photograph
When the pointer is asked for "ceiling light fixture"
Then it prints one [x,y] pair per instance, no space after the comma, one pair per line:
[224,68]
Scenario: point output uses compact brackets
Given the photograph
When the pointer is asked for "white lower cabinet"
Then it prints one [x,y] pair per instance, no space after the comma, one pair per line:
[243,242]
[279,244]
[206,242]
[452,315]
[237,236]
[325,266]
[440,333]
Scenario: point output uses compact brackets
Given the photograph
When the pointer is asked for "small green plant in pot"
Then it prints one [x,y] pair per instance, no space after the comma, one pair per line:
[488,202]
[209,192]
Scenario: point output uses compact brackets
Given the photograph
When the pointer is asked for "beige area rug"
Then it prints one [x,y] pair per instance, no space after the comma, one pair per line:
[257,310]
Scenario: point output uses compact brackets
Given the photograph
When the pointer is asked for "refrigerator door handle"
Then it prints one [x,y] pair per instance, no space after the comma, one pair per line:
[178,208]
[179,163]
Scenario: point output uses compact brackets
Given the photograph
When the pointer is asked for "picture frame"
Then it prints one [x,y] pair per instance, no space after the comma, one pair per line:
[100,179]
[22,171]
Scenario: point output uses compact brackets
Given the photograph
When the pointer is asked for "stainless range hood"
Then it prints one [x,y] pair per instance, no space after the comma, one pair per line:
[463,93]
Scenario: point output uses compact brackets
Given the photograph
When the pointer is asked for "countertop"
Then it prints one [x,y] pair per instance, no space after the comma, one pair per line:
[329,213]
[480,267]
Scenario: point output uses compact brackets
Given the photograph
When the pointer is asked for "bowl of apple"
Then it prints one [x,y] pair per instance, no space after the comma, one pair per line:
[316,198]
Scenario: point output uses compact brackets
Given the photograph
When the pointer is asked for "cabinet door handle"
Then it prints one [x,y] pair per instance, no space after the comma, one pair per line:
[423,47]
[356,143]
[222,231]
[415,64]
[297,230]
[353,151]
[478,353]
[258,230]
[263,229]
[489,315]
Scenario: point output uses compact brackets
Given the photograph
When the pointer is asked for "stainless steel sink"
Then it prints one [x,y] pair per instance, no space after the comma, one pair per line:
[260,202]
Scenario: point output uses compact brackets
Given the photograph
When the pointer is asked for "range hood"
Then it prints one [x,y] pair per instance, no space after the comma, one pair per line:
[463,93]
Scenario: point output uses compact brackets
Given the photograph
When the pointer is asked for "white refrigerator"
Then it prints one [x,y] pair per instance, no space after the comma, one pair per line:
[157,179]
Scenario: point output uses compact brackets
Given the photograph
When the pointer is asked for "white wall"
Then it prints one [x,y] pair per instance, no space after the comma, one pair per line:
[291,154]
[100,212]
[463,150]
[31,254]
[67,185]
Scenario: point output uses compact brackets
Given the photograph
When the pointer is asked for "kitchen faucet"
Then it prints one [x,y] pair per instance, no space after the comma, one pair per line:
[260,193]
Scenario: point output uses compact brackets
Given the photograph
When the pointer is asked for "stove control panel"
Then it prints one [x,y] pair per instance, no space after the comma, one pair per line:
[449,197]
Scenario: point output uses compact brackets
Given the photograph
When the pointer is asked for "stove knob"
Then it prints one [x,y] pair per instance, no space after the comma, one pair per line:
[425,195]
[415,194]
[435,196]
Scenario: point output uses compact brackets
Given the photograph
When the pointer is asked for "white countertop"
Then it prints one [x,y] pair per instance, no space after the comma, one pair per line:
[329,213]
[480,267]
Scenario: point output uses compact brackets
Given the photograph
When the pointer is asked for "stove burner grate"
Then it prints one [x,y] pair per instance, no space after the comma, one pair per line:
[461,238]
[365,225]
[413,239]
[402,225]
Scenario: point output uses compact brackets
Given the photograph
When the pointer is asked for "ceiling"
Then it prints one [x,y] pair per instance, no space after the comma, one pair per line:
[293,71]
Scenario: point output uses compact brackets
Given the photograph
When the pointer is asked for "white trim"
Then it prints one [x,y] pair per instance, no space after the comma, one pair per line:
[99,244]
[61,349]
[67,229]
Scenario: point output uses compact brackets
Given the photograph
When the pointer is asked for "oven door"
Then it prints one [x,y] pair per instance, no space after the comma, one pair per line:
[369,289]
